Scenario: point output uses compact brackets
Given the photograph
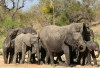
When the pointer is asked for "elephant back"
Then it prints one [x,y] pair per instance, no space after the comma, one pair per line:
[29,30]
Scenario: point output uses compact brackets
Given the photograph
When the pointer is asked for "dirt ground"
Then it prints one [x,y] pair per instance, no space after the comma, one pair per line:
[2,65]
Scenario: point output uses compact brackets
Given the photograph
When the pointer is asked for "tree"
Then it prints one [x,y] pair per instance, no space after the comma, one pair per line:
[15,6]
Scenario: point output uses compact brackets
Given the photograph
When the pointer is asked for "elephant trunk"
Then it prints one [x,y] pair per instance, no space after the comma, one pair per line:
[83,47]
[5,55]
[98,53]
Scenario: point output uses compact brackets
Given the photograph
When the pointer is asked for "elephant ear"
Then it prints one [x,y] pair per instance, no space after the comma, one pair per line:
[68,38]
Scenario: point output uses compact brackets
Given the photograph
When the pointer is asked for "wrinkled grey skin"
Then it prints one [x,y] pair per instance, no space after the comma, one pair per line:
[24,43]
[25,31]
[20,30]
[91,47]
[86,32]
[8,46]
[59,39]
[11,34]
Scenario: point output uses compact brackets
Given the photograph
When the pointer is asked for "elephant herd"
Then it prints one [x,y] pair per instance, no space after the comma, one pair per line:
[75,41]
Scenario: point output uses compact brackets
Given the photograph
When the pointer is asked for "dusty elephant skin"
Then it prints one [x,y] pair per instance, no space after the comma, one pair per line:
[23,43]
[8,45]
[91,47]
[59,39]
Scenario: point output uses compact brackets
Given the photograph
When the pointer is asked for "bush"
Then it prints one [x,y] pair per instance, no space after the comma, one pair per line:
[9,23]
[62,21]
[97,39]
[2,38]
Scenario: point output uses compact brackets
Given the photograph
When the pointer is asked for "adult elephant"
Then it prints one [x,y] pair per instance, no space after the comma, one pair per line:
[8,46]
[57,39]
[86,32]
[24,43]
[90,48]
[8,49]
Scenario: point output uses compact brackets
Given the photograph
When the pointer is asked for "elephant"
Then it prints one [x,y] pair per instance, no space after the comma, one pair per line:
[80,28]
[8,46]
[91,47]
[8,50]
[20,30]
[86,32]
[57,39]
[24,43]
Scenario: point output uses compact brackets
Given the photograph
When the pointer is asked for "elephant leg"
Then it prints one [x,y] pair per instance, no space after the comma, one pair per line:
[94,58]
[51,57]
[58,58]
[47,57]
[23,53]
[71,57]
[67,54]
[95,61]
[19,56]
[88,59]
[33,58]
[49,54]
[15,57]
[11,57]
[79,59]
[84,57]
[5,55]
[43,55]
[29,56]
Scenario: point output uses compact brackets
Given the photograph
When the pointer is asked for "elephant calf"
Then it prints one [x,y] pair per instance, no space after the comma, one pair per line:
[24,43]
[91,47]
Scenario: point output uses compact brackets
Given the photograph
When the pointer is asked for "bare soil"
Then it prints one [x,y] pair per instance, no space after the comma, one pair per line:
[2,65]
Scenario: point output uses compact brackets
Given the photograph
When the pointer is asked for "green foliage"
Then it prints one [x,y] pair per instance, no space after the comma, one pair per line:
[97,39]
[9,23]
[74,7]
[62,21]
[47,8]
[2,38]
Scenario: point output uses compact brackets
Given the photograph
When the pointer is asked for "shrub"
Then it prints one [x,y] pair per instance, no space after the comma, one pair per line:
[9,23]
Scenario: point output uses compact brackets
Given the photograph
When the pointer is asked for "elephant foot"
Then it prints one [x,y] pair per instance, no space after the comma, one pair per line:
[14,63]
[61,63]
[21,62]
[46,63]
[88,64]
[41,62]
[97,65]
[29,62]
[54,65]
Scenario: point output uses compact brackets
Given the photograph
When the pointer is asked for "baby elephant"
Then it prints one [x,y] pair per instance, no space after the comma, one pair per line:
[24,43]
[91,47]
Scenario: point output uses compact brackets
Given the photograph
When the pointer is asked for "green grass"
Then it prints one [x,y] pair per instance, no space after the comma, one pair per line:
[97,39]
[2,38]
[1,53]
